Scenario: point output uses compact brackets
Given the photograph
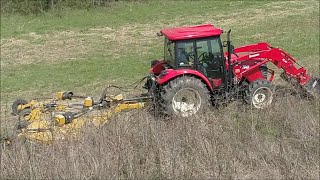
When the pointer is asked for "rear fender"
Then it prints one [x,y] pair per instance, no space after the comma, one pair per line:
[156,67]
[170,74]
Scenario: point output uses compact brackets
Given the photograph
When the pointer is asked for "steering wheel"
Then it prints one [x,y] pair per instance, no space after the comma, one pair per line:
[211,59]
[190,55]
[202,56]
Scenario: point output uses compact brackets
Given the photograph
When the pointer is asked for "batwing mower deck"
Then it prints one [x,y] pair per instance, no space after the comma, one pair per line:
[64,115]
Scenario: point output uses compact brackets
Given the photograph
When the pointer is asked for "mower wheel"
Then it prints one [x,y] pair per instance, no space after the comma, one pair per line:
[15,105]
[259,93]
[24,117]
[184,97]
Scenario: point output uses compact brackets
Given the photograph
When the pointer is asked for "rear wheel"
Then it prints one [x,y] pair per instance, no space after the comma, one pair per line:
[259,94]
[184,97]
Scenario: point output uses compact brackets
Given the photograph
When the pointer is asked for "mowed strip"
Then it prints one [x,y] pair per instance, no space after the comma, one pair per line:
[63,46]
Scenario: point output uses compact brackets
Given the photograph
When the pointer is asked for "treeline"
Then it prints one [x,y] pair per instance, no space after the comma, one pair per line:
[40,6]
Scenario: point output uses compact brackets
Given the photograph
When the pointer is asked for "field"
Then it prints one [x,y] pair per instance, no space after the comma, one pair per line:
[84,50]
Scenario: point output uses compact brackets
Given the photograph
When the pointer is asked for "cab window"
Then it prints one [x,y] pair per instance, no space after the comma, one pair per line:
[185,53]
[169,51]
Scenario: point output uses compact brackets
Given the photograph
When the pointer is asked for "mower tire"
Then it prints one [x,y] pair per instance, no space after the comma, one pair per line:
[259,94]
[15,105]
[24,117]
[184,96]
[24,114]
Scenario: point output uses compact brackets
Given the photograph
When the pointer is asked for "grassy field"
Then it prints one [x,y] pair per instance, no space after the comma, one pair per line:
[84,50]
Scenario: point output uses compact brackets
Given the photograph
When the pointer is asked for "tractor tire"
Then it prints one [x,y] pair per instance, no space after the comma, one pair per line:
[184,97]
[259,94]
[15,105]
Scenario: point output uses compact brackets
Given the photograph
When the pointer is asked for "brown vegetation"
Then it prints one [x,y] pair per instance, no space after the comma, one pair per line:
[281,142]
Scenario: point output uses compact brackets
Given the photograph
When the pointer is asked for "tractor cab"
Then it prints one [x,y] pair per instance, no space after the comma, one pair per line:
[196,48]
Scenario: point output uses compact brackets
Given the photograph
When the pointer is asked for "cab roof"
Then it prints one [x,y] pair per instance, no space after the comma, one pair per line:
[191,32]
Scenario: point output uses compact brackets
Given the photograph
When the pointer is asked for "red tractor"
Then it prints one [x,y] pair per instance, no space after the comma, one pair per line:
[196,72]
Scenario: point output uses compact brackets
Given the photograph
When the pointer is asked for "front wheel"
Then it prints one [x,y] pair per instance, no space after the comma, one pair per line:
[259,94]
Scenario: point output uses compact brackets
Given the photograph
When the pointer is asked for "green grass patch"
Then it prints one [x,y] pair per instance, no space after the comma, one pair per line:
[73,74]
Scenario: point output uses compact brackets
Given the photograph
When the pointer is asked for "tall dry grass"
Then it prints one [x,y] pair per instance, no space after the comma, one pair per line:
[235,142]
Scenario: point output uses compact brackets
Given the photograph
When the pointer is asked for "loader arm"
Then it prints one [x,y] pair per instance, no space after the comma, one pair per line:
[263,52]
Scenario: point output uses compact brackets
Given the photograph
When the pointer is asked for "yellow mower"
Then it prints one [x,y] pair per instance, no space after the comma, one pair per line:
[64,115]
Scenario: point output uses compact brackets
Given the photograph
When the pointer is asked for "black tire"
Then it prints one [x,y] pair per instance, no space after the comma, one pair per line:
[259,94]
[15,105]
[176,94]
[21,125]
[23,114]
[264,70]
[23,120]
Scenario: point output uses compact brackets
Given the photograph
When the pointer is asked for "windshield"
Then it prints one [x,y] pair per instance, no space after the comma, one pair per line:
[203,54]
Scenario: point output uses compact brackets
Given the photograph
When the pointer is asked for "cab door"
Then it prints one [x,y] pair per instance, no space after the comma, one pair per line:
[210,60]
